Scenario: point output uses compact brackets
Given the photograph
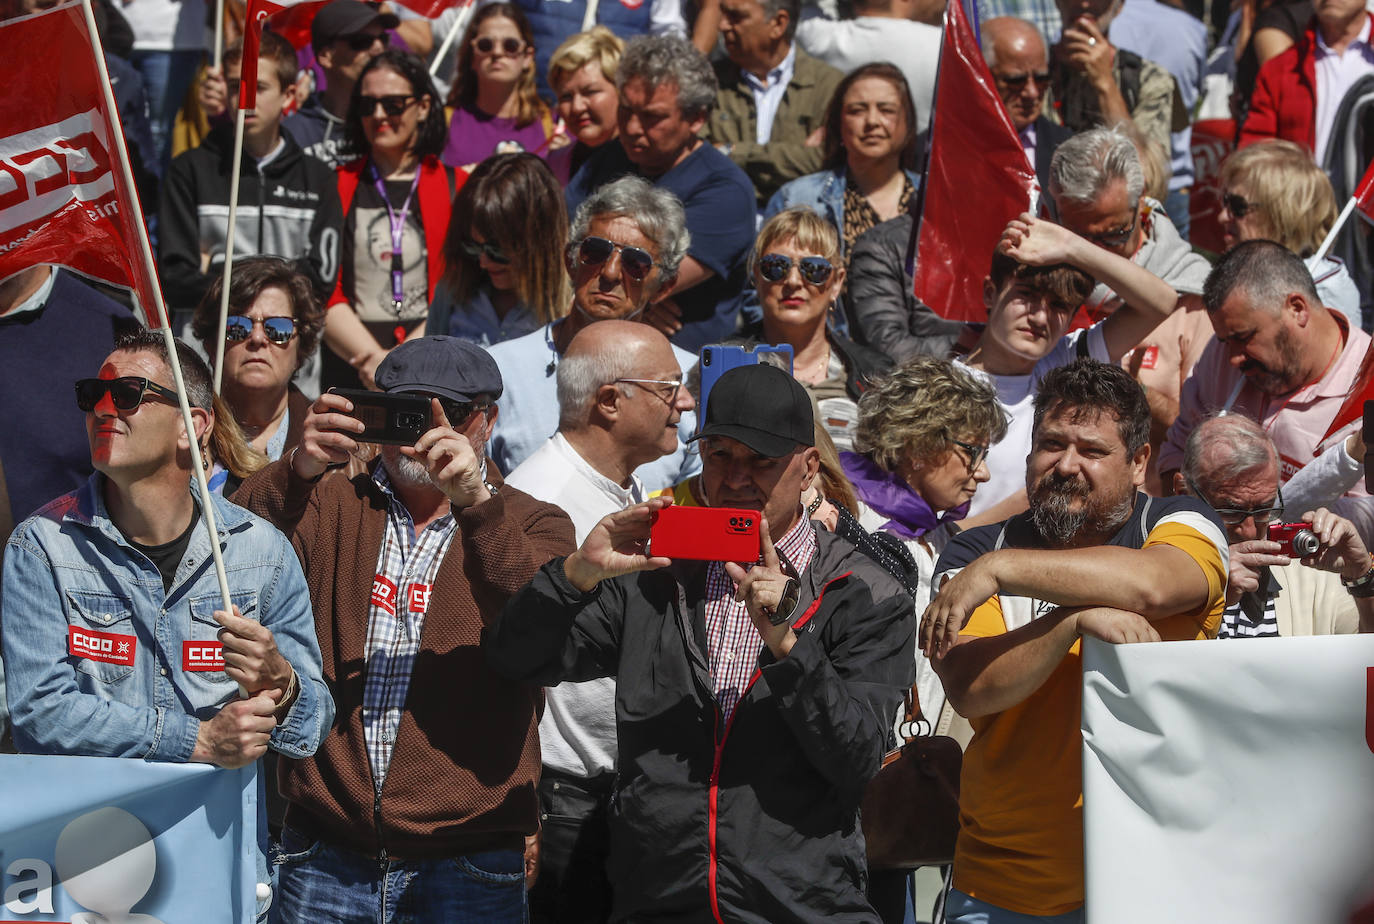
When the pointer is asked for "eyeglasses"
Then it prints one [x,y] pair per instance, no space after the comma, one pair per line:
[1234,516]
[637,263]
[1236,205]
[976,454]
[278,330]
[392,105]
[362,41]
[1115,239]
[486,45]
[127,392]
[775,266]
[674,384]
[1017,81]
[475,250]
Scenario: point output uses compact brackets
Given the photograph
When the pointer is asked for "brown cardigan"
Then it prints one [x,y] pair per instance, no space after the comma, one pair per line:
[466,758]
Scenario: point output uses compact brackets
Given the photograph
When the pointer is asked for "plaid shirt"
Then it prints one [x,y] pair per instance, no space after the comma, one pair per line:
[400,596]
[733,645]
[1043,14]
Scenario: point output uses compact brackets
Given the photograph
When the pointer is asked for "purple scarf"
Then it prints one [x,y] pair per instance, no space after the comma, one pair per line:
[911,516]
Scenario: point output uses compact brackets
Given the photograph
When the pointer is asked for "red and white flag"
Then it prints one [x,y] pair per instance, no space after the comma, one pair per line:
[63,196]
[258,13]
[977,179]
[1364,193]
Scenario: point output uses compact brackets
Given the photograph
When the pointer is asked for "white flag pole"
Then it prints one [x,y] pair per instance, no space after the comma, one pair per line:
[207,509]
[460,25]
[229,248]
[219,34]
[1325,248]
[589,15]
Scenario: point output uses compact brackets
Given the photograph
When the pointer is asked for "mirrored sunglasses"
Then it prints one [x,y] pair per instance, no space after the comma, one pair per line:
[278,330]
[774,267]
[594,251]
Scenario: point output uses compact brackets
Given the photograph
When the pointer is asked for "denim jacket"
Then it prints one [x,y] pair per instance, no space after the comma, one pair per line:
[824,193]
[133,687]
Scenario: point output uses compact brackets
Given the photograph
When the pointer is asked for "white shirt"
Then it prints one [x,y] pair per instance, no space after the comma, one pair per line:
[1337,73]
[849,43]
[577,732]
[167,25]
[768,94]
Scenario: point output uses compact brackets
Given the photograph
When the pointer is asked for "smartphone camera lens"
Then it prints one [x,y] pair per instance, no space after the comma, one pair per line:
[734,521]
[706,357]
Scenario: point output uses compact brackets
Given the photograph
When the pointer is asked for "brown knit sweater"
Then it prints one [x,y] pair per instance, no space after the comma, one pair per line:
[466,759]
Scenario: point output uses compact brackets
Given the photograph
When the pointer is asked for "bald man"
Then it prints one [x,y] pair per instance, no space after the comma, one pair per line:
[620,397]
[1020,66]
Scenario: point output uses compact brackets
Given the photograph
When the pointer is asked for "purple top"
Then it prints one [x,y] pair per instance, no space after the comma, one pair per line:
[474,136]
[892,497]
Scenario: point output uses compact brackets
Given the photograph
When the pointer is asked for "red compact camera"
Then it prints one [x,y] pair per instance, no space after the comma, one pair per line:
[1297,539]
[706,534]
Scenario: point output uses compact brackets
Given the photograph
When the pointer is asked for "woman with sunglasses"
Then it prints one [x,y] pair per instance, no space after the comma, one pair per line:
[1274,190]
[798,275]
[396,199]
[503,257]
[273,328]
[496,109]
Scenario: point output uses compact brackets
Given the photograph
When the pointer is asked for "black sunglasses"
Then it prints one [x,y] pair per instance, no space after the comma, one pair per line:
[279,330]
[594,251]
[775,266]
[976,454]
[475,250]
[1236,205]
[1117,238]
[362,41]
[486,45]
[392,105]
[1018,81]
[127,392]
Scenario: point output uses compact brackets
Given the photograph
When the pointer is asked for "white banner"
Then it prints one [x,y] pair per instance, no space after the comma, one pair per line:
[1229,781]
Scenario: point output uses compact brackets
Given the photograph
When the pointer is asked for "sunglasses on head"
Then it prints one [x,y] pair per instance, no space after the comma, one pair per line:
[127,392]
[393,105]
[1236,205]
[279,330]
[774,267]
[1017,81]
[362,41]
[594,251]
[508,45]
[475,250]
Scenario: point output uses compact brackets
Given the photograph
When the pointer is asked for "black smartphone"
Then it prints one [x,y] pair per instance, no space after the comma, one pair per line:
[395,419]
[1367,434]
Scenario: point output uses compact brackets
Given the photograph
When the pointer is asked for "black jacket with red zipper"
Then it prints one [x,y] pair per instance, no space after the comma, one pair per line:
[754,819]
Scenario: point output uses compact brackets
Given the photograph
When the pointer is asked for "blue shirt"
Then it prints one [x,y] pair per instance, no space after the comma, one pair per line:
[719,200]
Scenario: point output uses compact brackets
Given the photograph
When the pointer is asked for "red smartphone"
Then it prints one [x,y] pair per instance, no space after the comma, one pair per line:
[706,534]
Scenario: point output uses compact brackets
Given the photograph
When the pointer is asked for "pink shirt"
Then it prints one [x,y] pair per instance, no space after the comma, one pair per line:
[1295,422]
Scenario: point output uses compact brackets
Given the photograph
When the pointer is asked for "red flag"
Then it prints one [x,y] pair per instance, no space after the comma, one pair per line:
[976,181]
[428,8]
[63,195]
[1364,193]
[258,11]
[1361,390]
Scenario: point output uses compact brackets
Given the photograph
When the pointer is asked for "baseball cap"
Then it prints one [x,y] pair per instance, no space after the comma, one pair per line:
[447,366]
[346,17]
[762,407]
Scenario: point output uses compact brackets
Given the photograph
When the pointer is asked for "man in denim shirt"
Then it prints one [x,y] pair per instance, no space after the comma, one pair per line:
[115,640]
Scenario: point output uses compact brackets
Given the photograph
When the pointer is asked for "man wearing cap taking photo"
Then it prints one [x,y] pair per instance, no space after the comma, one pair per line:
[421,796]
[752,701]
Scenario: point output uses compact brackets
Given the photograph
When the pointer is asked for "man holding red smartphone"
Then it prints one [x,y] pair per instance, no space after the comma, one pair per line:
[752,700]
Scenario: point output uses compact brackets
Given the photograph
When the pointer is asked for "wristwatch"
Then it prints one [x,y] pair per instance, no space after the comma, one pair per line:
[1362,586]
[791,593]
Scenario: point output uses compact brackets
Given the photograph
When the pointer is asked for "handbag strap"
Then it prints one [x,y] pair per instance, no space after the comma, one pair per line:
[913,720]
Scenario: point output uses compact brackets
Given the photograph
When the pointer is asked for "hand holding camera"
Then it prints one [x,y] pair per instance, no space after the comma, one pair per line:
[453,464]
[1339,547]
[330,436]
[617,545]
[769,593]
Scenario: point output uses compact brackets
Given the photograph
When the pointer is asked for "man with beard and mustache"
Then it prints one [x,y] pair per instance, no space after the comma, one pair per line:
[424,790]
[1282,358]
[1093,557]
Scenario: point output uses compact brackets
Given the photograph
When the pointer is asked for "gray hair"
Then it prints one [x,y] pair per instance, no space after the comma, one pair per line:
[581,374]
[657,212]
[665,59]
[1090,161]
[1224,448]
[793,10]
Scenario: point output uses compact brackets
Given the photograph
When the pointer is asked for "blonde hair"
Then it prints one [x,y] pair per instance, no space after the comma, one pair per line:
[833,485]
[805,228]
[1291,193]
[1155,165]
[598,45]
[229,447]
[911,414]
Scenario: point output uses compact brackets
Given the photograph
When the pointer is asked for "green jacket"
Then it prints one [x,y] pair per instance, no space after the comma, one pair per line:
[785,156]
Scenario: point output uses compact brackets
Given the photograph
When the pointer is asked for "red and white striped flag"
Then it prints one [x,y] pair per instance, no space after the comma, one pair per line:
[63,195]
[1364,193]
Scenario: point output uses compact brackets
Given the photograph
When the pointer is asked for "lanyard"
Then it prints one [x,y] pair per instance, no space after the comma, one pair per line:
[398,227]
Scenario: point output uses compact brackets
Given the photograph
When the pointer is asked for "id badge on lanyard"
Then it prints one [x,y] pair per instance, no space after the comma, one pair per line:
[397,220]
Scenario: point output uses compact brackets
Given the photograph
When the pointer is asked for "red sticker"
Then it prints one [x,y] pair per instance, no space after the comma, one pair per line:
[1149,357]
[384,594]
[102,646]
[202,656]
[419,598]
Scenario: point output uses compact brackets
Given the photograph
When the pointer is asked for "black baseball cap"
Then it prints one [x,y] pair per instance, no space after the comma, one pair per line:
[343,18]
[448,366]
[762,407]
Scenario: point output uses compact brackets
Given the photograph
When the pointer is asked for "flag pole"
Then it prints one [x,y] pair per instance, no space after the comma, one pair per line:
[219,34]
[229,247]
[1325,248]
[460,25]
[207,509]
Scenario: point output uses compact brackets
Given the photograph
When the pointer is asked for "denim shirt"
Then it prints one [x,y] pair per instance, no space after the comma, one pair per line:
[68,568]
[824,193]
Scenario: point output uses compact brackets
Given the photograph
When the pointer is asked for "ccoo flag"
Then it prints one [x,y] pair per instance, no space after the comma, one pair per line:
[63,195]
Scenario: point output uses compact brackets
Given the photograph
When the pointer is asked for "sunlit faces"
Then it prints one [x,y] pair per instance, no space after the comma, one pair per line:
[129,444]
[395,134]
[653,130]
[501,274]
[793,301]
[1022,76]
[344,58]
[733,475]
[587,104]
[498,63]
[949,480]
[604,291]
[1260,345]
[748,32]
[1080,478]
[256,363]
[651,409]
[1112,221]
[1025,320]
[873,120]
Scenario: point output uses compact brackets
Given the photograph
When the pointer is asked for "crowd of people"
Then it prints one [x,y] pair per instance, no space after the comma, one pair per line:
[644,256]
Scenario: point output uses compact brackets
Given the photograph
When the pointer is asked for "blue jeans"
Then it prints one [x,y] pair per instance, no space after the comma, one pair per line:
[965,909]
[323,884]
[1177,208]
[166,76]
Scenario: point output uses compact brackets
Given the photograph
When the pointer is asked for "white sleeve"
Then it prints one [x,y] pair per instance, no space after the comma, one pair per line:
[665,18]
[1321,482]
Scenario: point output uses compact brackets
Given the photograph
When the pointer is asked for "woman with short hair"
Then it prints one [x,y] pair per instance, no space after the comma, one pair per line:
[582,75]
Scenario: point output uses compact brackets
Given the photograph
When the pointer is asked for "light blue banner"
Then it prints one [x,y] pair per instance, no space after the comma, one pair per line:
[90,840]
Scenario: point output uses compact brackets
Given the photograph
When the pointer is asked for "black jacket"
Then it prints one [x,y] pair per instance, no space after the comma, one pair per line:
[755,819]
[289,209]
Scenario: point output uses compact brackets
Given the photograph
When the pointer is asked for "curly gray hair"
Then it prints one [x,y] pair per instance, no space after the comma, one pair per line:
[1084,165]
[666,59]
[657,212]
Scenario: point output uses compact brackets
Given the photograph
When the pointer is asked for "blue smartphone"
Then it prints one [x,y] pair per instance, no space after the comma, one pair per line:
[716,360]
